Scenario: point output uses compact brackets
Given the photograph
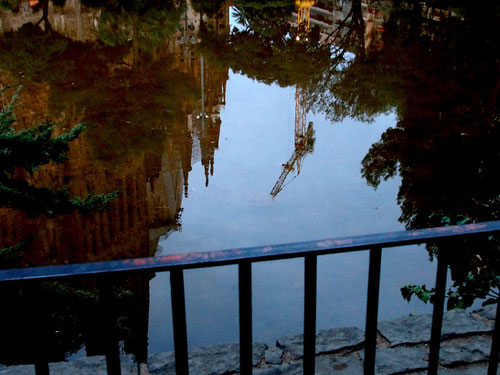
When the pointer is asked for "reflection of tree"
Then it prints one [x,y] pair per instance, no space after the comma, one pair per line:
[351,85]
[448,126]
[265,18]
[44,4]
[445,144]
[265,48]
[120,108]
[147,30]
[65,315]
[147,23]
[441,82]
[59,312]
[129,118]
[129,109]
[23,152]
[8,5]
[336,72]
[47,321]
[32,53]
[347,36]
[208,7]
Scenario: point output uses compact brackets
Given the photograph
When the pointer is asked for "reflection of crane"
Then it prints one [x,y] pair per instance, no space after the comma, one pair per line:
[304,142]
[304,135]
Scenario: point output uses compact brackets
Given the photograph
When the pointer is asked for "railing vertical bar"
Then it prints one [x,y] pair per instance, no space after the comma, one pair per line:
[310,280]
[245,302]
[41,331]
[495,346]
[372,310]
[111,342]
[113,359]
[179,321]
[437,314]
[42,368]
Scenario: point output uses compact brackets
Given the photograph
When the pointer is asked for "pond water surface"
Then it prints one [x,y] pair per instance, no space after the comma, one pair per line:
[221,126]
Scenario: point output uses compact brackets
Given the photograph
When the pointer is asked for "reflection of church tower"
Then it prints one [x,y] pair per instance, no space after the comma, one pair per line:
[203,121]
[209,118]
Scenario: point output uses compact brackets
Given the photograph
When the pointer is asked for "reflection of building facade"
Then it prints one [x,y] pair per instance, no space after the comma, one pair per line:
[374,24]
[203,121]
[151,187]
[328,16]
[73,19]
[151,184]
[321,14]
[150,197]
[334,18]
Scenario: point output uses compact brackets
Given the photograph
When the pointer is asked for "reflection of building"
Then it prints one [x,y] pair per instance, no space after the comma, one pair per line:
[72,19]
[150,197]
[204,120]
[151,184]
[328,16]
[335,19]
[319,14]
[374,25]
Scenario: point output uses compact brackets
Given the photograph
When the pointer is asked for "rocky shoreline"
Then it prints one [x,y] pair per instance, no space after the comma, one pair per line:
[402,349]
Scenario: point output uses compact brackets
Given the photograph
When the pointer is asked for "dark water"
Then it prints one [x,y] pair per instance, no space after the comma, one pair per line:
[224,126]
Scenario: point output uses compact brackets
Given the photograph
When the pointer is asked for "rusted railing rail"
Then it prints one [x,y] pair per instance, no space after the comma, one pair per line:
[244,258]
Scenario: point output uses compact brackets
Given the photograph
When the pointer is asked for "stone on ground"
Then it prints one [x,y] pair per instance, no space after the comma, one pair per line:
[349,365]
[327,341]
[417,328]
[399,359]
[466,351]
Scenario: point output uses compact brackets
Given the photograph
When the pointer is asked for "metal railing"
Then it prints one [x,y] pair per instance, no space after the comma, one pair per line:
[244,258]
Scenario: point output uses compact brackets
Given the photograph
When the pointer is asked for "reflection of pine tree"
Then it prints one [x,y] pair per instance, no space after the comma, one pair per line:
[66,312]
[26,150]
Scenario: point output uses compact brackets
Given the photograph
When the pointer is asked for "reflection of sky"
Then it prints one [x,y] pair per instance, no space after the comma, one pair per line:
[328,199]
[233,20]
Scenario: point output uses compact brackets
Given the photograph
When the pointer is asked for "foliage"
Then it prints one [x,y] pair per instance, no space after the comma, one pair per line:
[265,18]
[65,314]
[445,144]
[31,52]
[68,316]
[124,117]
[421,291]
[265,48]
[147,23]
[148,29]
[10,256]
[208,7]
[129,117]
[462,294]
[8,5]
[27,150]
[31,147]
[341,82]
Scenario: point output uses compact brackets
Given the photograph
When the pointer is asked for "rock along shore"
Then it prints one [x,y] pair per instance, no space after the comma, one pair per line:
[402,349]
